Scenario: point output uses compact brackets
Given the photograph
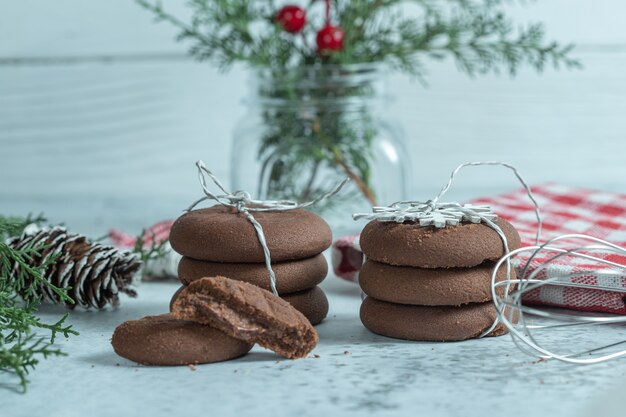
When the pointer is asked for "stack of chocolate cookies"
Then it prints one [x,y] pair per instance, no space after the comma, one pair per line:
[431,284]
[219,241]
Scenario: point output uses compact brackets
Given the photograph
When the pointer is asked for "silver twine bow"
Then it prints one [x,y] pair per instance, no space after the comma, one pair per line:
[242,201]
[434,213]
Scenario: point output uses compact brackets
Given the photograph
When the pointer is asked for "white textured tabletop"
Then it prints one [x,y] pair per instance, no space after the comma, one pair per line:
[351,372]
[110,141]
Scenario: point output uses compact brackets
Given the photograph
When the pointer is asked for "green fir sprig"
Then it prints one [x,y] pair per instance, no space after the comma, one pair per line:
[149,249]
[24,338]
[302,151]
[477,34]
[14,226]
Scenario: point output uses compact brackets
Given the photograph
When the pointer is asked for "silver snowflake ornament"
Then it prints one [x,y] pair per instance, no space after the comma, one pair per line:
[430,213]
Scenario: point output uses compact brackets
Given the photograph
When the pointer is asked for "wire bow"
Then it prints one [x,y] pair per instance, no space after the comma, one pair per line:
[241,200]
[429,213]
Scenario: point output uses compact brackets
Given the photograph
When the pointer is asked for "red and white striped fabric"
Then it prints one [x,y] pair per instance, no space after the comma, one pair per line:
[564,210]
[163,267]
[155,234]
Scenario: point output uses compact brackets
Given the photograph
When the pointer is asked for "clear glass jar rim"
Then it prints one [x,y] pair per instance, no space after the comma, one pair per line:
[371,68]
[316,77]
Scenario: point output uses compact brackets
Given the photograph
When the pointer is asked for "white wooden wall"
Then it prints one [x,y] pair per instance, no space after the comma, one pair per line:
[102,115]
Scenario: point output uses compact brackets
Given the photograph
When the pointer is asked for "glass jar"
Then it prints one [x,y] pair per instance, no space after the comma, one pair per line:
[308,129]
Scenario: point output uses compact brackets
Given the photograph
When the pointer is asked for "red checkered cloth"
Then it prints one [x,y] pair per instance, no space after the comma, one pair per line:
[564,210]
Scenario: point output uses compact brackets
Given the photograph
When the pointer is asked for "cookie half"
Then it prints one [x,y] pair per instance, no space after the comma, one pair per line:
[165,340]
[425,323]
[462,246]
[221,234]
[291,276]
[312,303]
[249,313]
[429,287]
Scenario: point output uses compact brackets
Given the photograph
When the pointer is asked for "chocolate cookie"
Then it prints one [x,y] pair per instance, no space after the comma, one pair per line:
[220,234]
[429,287]
[461,246]
[291,276]
[165,340]
[437,324]
[248,313]
[312,303]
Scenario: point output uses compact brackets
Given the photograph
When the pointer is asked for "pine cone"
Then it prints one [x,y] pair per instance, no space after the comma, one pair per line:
[96,273]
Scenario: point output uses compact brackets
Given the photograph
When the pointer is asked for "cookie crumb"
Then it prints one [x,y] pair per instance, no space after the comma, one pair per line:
[345,352]
[192,366]
[316,356]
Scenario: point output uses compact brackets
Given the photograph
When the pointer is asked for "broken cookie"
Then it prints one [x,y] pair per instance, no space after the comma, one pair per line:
[248,313]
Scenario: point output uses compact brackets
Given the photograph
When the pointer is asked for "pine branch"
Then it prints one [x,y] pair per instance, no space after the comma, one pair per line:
[23,355]
[20,345]
[475,33]
[14,226]
[149,250]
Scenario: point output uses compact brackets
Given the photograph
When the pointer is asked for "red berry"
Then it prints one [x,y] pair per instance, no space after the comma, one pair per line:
[291,18]
[330,39]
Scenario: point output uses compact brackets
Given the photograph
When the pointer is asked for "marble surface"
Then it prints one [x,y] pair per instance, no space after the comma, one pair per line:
[352,372]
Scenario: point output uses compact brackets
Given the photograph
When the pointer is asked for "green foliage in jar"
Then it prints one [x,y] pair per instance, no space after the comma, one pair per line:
[404,35]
